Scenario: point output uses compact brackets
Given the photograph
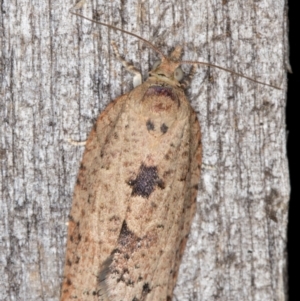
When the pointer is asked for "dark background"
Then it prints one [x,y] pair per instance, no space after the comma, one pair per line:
[293,121]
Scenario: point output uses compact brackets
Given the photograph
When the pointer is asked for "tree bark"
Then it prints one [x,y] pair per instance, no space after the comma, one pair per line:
[59,72]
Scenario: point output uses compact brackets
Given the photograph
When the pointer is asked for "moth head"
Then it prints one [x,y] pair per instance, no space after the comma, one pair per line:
[168,68]
[177,74]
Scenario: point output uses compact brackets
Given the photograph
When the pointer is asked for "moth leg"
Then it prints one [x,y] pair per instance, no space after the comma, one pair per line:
[79,4]
[187,80]
[137,79]
[76,143]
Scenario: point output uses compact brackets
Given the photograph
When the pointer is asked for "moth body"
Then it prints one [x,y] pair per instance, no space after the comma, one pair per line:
[135,195]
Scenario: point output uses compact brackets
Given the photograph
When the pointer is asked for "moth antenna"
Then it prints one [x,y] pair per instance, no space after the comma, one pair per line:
[230,71]
[182,62]
[122,30]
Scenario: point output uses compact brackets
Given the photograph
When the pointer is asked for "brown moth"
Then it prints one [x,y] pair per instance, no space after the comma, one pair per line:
[135,194]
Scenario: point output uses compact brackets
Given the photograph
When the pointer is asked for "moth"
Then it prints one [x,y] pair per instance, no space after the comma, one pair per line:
[135,195]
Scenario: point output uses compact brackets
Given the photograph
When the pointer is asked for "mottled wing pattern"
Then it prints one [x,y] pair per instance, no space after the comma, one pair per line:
[90,235]
[134,198]
[190,194]
[163,171]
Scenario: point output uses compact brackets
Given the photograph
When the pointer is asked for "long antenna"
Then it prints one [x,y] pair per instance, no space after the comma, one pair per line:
[182,62]
[231,71]
[122,30]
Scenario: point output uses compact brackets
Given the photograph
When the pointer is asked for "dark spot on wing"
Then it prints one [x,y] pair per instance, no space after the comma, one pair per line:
[146,290]
[145,182]
[150,125]
[163,128]
[82,167]
[116,135]
[127,237]
[161,184]
[116,263]
[161,91]
[104,271]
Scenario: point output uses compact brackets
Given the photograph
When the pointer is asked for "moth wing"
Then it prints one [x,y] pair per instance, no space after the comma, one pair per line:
[183,212]
[95,198]
[151,242]
[190,194]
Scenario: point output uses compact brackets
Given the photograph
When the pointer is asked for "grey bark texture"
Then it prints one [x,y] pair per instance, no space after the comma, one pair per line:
[58,73]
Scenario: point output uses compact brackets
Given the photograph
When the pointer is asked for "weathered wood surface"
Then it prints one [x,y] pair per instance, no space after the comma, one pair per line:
[58,73]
